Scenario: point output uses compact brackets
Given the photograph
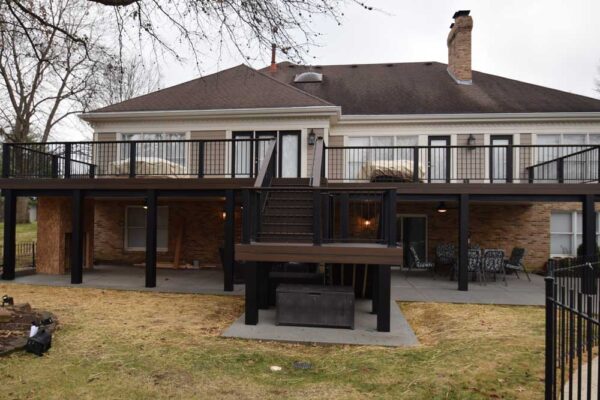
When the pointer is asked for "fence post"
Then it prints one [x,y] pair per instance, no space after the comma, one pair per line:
[5,160]
[68,150]
[201,159]
[132,158]
[92,172]
[550,369]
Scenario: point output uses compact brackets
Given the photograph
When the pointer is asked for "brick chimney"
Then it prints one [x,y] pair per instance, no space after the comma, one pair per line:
[459,48]
[273,66]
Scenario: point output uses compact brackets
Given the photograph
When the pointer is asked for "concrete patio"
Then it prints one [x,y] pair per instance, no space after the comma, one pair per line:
[417,286]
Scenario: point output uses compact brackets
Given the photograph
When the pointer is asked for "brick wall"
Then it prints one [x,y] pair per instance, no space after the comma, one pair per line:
[459,48]
[201,222]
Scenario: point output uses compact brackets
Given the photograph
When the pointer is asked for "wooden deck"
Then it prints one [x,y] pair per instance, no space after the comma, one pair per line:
[335,253]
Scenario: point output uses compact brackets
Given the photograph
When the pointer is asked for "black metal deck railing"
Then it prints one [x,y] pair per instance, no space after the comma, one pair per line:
[234,158]
[465,164]
[226,158]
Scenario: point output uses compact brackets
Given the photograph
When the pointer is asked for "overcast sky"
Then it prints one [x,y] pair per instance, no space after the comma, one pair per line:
[554,43]
[548,42]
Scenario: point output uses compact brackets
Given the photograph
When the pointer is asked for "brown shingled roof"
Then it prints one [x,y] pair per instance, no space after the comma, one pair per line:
[234,88]
[364,89]
[427,88]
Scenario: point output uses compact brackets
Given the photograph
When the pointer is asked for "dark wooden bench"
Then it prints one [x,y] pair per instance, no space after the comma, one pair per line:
[315,305]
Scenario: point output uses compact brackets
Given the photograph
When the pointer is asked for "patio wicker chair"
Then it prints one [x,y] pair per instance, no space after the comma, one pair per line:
[416,263]
[445,254]
[493,262]
[515,262]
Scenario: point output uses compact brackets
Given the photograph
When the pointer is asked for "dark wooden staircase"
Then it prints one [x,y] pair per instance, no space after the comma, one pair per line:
[287,216]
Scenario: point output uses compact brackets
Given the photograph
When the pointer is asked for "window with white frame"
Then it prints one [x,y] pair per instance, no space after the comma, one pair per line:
[174,152]
[566,229]
[558,145]
[135,228]
[381,150]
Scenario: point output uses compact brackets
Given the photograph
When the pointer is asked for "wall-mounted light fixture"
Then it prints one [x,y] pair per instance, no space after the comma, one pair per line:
[312,137]
[441,208]
[367,223]
[224,214]
[471,141]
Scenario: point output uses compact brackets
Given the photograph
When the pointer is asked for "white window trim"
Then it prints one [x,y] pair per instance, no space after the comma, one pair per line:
[573,234]
[126,234]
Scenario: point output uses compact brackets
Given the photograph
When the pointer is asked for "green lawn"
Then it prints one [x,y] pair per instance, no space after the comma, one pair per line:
[134,345]
[25,232]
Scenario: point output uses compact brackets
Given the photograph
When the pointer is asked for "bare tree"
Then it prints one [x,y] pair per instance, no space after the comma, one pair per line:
[45,75]
[124,78]
[245,25]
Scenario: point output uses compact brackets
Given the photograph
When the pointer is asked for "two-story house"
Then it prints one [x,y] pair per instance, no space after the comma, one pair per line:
[290,160]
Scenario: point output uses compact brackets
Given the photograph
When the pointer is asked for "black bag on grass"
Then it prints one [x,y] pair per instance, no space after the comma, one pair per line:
[40,343]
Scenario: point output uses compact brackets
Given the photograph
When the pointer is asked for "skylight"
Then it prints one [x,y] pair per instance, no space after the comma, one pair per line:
[307,77]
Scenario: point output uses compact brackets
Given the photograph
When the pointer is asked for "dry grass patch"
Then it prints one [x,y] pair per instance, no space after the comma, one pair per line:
[139,345]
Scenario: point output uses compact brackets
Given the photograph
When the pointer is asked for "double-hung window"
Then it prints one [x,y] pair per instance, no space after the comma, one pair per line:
[566,229]
[135,228]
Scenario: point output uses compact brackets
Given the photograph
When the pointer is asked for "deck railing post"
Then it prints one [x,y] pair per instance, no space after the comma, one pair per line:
[54,166]
[509,164]
[201,159]
[246,217]
[68,150]
[5,160]
[92,171]
[391,218]
[531,174]
[550,368]
[317,233]
[132,158]
[416,169]
[233,158]
[560,170]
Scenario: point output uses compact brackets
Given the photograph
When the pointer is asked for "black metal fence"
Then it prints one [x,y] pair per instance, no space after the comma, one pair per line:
[572,331]
[168,158]
[24,256]
[465,164]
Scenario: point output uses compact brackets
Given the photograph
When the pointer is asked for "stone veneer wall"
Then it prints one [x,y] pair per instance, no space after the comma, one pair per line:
[201,220]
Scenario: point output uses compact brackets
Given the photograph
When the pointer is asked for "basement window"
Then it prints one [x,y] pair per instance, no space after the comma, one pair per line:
[135,228]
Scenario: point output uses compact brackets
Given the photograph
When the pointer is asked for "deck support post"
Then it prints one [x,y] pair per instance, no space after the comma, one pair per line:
[590,252]
[10,223]
[263,285]
[251,306]
[228,258]
[463,242]
[372,269]
[151,241]
[383,297]
[77,207]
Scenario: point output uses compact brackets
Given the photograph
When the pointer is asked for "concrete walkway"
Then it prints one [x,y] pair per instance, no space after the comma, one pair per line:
[417,286]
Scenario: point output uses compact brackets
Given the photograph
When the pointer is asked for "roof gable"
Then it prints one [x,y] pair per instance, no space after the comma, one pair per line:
[240,87]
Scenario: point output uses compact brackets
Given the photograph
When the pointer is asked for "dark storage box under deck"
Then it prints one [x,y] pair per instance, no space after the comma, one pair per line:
[315,305]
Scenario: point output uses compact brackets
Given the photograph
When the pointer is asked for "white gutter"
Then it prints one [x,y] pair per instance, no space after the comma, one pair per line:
[474,117]
[334,111]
